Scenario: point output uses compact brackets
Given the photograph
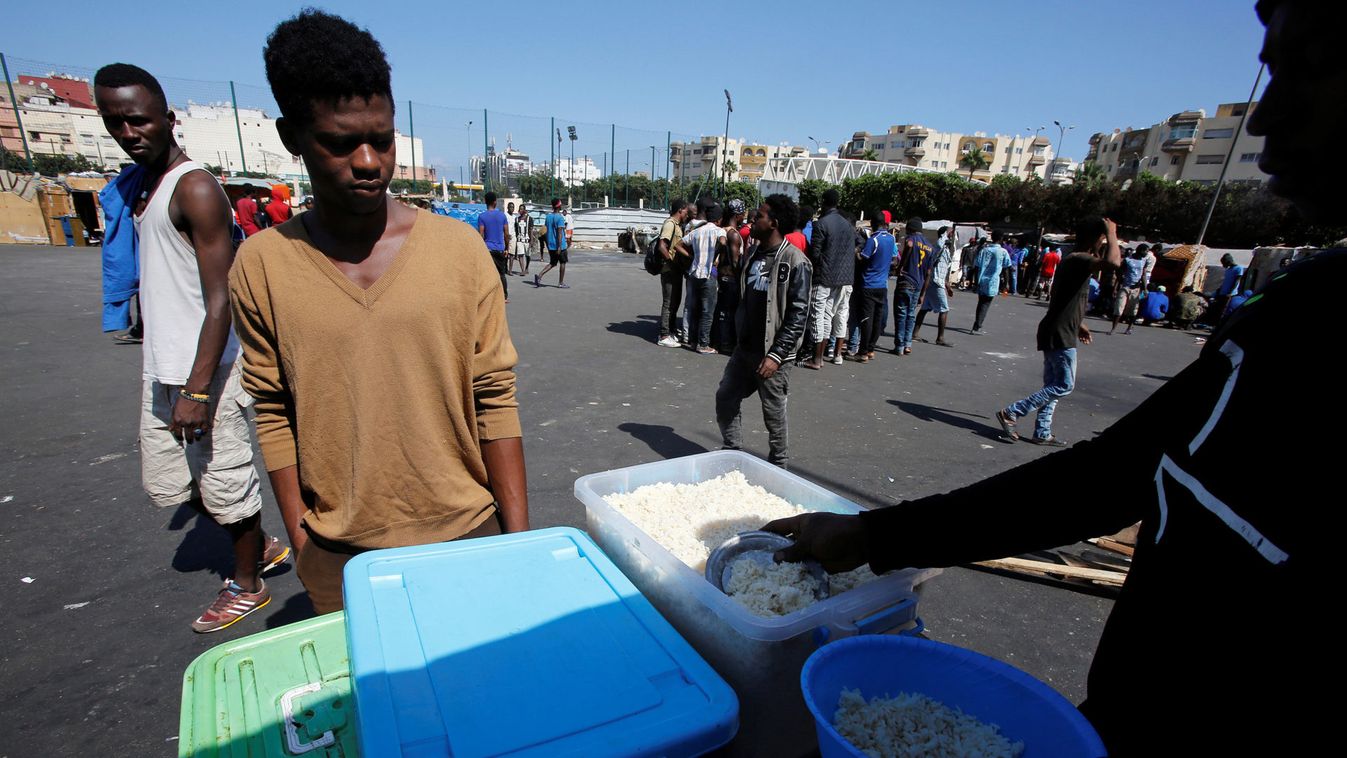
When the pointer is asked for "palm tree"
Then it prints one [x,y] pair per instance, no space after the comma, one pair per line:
[1090,174]
[974,160]
[869,154]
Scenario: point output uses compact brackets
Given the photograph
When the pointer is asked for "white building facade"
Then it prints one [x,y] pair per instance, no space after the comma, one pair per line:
[1188,146]
[922,147]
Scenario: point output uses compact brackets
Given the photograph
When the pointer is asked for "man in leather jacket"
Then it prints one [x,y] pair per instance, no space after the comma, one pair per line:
[770,322]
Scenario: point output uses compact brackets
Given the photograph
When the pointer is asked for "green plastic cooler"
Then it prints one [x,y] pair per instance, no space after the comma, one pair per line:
[278,694]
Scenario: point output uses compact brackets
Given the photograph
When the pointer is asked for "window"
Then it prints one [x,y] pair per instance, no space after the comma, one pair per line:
[1183,132]
[1214,159]
[1019,151]
[87,139]
[1249,157]
[1225,133]
[1155,161]
[1173,160]
[1238,110]
[988,147]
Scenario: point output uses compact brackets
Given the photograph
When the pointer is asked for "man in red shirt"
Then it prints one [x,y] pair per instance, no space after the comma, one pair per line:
[279,207]
[247,212]
[1048,270]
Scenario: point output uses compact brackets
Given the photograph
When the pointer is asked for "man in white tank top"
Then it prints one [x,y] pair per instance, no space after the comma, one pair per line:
[195,431]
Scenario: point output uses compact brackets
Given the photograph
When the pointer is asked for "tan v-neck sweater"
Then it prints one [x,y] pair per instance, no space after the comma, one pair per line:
[381,396]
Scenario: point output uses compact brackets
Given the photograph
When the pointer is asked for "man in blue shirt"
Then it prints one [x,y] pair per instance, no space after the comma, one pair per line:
[876,258]
[494,226]
[991,260]
[1154,307]
[1130,285]
[556,246]
[938,289]
[914,265]
[1229,286]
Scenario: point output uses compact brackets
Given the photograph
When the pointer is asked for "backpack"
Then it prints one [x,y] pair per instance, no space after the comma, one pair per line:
[653,262]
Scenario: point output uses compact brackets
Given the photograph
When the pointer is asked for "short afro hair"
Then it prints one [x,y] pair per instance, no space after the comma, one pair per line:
[782,210]
[116,75]
[319,56]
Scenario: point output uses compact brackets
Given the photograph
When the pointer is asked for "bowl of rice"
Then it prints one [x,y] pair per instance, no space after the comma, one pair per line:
[888,696]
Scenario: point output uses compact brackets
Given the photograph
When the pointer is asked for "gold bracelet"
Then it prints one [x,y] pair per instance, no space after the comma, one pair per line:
[194,397]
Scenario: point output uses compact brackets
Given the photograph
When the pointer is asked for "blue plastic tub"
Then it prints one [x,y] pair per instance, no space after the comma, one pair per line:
[528,644]
[1025,709]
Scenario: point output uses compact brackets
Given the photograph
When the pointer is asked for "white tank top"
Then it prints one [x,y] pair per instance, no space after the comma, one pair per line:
[171,300]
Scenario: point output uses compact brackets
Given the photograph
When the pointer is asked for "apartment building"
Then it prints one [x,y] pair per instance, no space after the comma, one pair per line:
[59,118]
[1188,146]
[922,147]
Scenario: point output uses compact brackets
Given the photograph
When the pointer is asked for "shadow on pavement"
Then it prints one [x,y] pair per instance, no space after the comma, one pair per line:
[643,326]
[297,608]
[958,419]
[662,439]
[204,547]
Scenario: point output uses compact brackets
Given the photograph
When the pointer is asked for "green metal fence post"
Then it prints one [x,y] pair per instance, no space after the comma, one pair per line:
[411,123]
[551,178]
[243,157]
[17,117]
[612,147]
[627,201]
[486,139]
[668,156]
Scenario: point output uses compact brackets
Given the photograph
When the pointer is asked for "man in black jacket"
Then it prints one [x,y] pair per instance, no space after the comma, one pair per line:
[832,248]
[1181,668]
[770,323]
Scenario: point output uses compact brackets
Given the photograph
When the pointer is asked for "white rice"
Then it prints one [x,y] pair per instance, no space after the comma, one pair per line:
[692,520]
[773,589]
[912,725]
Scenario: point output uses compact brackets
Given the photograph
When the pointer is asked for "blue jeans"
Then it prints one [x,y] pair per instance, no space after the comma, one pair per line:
[904,315]
[701,309]
[1059,378]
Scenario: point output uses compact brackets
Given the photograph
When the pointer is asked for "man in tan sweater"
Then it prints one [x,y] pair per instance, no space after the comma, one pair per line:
[374,335]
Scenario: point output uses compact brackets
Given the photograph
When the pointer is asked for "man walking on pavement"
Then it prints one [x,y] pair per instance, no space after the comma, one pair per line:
[195,435]
[494,226]
[558,242]
[1063,328]
[914,266]
[523,232]
[1230,286]
[671,274]
[246,209]
[773,308]
[374,335]
[992,259]
[727,271]
[938,291]
[832,248]
[1130,286]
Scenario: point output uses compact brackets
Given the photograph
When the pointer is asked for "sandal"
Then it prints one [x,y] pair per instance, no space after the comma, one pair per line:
[1007,424]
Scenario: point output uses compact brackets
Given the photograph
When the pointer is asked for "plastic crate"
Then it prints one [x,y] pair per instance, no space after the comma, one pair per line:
[277,694]
[529,644]
[760,657]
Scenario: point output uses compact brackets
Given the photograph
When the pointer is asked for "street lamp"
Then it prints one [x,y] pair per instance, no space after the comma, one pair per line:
[725,158]
[570,130]
[1061,135]
[469,144]
[816,142]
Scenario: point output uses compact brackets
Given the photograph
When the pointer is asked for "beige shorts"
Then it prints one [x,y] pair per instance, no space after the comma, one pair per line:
[219,468]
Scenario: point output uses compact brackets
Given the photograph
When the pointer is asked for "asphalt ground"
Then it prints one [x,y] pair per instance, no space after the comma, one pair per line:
[93,648]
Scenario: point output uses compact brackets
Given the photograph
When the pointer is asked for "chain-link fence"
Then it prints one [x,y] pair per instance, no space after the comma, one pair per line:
[231,125]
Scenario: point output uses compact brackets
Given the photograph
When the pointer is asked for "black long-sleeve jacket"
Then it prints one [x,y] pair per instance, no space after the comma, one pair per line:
[1221,638]
[787,303]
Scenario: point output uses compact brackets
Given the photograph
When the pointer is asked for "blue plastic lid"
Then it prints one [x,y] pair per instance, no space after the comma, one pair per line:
[522,644]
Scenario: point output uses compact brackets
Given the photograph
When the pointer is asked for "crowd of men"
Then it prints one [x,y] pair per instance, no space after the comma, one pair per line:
[386,412]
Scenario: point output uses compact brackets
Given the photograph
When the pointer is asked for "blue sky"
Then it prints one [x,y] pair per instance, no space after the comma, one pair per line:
[796,69]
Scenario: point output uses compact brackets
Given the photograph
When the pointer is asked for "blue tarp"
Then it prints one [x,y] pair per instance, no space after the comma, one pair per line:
[465,212]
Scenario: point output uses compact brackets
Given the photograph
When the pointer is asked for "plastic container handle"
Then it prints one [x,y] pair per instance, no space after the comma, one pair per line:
[291,732]
[918,627]
[882,621]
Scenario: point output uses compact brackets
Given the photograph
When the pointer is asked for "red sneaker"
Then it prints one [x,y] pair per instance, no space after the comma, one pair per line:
[232,604]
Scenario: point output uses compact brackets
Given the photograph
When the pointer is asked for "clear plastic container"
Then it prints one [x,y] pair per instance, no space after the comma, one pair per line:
[760,657]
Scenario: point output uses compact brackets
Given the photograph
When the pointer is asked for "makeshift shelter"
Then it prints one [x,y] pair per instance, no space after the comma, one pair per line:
[21,221]
[1179,267]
